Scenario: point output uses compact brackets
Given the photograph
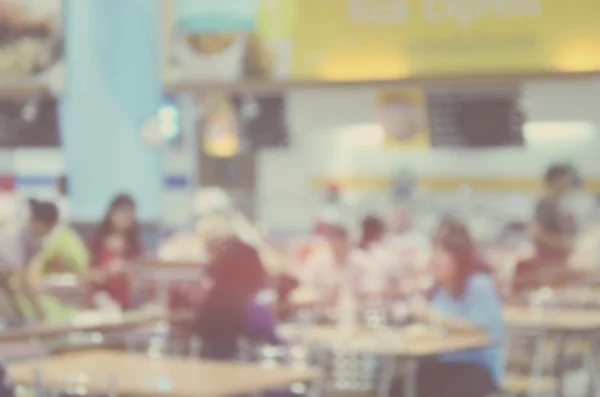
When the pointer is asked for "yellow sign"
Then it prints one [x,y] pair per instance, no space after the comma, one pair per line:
[403,116]
[227,41]
[220,135]
[342,40]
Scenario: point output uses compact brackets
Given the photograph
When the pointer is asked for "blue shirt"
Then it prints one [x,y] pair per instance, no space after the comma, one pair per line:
[480,305]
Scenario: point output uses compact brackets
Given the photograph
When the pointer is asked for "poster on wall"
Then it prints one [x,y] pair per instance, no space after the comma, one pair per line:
[231,124]
[220,135]
[31,44]
[402,113]
[226,41]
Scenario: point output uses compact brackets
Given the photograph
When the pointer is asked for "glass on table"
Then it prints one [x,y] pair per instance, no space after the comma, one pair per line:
[540,299]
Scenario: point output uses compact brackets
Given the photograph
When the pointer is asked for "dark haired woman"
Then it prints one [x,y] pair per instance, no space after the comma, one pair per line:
[373,231]
[230,311]
[116,243]
[465,298]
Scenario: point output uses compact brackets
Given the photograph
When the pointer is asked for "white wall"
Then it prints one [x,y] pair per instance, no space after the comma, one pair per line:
[323,145]
[326,142]
[36,170]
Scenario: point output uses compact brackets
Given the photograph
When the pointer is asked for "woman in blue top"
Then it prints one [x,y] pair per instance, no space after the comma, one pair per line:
[465,299]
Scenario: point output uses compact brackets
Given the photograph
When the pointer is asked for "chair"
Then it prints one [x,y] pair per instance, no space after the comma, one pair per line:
[530,362]
[346,371]
[524,385]
[274,356]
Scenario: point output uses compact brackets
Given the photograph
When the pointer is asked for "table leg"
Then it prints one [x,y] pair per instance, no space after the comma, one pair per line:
[559,367]
[387,376]
[537,363]
[410,378]
[591,367]
[316,388]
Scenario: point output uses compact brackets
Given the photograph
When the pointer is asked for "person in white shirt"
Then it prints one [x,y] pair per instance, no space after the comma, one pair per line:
[375,259]
[411,248]
[329,270]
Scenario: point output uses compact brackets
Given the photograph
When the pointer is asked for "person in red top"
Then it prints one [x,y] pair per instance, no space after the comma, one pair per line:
[114,245]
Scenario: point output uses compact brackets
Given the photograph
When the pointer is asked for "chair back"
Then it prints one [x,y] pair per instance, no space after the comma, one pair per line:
[163,344]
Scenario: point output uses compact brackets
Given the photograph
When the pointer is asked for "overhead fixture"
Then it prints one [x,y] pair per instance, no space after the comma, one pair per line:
[550,131]
[168,119]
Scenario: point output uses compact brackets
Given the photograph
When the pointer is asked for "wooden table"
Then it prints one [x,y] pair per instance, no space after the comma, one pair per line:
[408,342]
[46,331]
[139,375]
[411,344]
[563,325]
[16,350]
[566,320]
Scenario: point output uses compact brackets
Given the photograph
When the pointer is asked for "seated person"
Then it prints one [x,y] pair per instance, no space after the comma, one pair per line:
[212,234]
[208,204]
[554,233]
[375,259]
[38,249]
[464,299]
[315,243]
[62,250]
[114,246]
[411,250]
[331,269]
[230,311]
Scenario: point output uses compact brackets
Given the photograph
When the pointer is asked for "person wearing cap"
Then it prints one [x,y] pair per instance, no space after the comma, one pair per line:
[553,230]
[62,250]
[212,235]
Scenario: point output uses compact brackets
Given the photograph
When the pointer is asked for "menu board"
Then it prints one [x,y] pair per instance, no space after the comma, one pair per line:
[31,43]
[264,119]
[29,123]
[475,117]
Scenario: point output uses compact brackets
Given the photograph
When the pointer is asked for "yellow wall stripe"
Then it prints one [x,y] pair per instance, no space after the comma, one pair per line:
[445,184]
